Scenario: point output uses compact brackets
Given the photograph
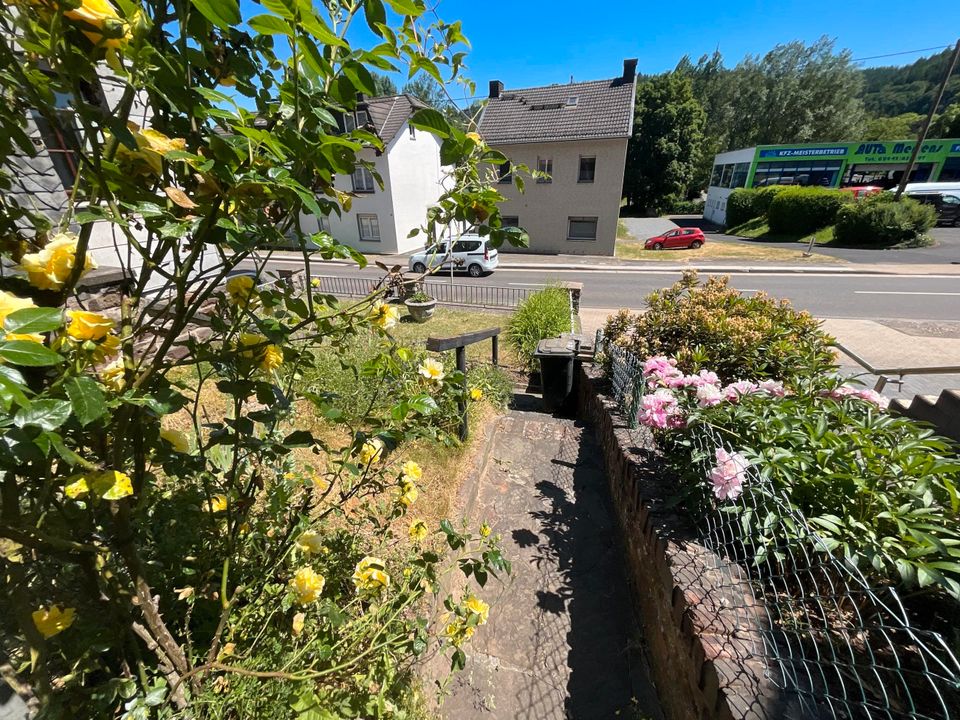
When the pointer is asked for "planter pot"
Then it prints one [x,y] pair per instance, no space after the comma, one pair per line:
[421,311]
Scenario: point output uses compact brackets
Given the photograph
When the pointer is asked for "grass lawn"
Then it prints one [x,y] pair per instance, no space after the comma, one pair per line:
[449,322]
[757,229]
[719,250]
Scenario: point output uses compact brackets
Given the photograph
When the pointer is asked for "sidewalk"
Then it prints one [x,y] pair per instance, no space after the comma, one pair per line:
[532,261]
[561,641]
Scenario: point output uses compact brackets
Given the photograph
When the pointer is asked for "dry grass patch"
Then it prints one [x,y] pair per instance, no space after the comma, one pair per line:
[720,250]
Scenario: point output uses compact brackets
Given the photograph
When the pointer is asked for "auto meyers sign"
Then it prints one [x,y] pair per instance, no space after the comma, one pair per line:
[896,152]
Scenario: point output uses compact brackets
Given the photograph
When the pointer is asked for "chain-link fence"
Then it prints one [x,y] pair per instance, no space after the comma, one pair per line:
[829,642]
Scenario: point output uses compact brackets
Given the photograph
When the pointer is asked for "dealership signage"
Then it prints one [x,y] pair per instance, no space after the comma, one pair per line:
[883,151]
[802,152]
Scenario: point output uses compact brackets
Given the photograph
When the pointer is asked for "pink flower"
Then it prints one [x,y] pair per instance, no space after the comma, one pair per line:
[661,370]
[728,475]
[873,397]
[733,391]
[839,393]
[660,410]
[709,395]
[772,387]
[708,377]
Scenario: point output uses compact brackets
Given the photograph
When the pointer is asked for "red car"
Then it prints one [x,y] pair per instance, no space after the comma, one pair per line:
[678,238]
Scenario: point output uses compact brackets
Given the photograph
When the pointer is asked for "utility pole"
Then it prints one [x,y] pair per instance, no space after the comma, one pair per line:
[926,123]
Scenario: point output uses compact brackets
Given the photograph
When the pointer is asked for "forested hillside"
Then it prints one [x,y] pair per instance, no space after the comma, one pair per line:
[890,91]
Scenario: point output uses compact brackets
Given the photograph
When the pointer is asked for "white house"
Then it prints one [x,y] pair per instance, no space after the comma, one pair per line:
[575,133]
[380,219]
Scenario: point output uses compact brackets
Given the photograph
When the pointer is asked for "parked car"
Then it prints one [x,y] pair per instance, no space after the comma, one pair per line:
[470,253]
[862,191]
[946,204]
[679,238]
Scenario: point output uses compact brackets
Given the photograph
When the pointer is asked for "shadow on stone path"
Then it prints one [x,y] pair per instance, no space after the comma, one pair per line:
[561,641]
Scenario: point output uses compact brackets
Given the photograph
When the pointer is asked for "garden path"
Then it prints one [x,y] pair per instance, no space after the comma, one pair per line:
[561,641]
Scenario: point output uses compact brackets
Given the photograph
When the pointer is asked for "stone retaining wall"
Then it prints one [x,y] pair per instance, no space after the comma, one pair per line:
[703,629]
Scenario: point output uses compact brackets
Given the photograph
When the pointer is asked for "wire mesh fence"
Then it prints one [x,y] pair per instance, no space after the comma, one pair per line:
[829,642]
[483,296]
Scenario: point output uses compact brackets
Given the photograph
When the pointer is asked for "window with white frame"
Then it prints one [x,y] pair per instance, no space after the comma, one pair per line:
[352,121]
[362,180]
[588,169]
[545,165]
[504,173]
[369,228]
[582,228]
[324,222]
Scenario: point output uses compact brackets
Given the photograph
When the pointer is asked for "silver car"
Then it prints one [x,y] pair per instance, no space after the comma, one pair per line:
[470,253]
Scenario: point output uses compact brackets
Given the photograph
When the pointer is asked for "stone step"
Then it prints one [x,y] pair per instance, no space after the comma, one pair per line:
[924,407]
[949,402]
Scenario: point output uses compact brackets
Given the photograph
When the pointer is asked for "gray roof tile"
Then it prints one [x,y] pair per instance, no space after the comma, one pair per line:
[603,109]
[389,113]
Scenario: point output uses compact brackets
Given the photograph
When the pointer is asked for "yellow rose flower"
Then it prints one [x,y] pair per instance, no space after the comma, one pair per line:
[53,621]
[476,394]
[113,375]
[370,575]
[407,494]
[478,608]
[216,504]
[457,632]
[411,471]
[107,347]
[432,370]
[298,621]
[371,451]
[272,358]
[88,325]
[310,542]
[102,15]
[111,485]
[11,303]
[484,530]
[152,145]
[240,288]
[418,530]
[307,585]
[475,137]
[384,316]
[49,268]
[178,439]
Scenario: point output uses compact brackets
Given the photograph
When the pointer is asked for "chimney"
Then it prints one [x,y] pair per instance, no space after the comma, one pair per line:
[629,69]
[496,87]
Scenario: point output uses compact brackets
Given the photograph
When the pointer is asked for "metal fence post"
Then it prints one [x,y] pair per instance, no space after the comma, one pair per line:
[462,402]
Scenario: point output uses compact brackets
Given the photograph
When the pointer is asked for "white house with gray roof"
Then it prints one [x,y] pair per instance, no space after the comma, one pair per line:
[380,219]
[577,134]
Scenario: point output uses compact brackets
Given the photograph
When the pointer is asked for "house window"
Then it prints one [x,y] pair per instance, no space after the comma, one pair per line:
[413,132]
[588,169]
[362,180]
[573,100]
[324,223]
[545,165]
[510,221]
[582,228]
[505,175]
[352,121]
[369,228]
[363,118]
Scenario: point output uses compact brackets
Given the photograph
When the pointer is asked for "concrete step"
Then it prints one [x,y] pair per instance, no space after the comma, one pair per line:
[924,407]
[949,402]
[942,412]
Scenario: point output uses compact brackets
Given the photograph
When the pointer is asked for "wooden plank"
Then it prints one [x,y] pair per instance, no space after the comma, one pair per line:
[451,343]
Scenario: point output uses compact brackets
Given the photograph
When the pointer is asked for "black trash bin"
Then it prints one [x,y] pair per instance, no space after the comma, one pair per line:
[556,356]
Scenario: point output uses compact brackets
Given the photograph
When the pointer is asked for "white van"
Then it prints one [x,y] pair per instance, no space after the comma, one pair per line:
[946,188]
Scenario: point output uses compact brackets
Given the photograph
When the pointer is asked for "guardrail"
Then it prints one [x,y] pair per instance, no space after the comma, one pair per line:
[485,296]
[900,372]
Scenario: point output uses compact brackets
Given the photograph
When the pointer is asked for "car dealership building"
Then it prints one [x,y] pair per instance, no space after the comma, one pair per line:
[834,165]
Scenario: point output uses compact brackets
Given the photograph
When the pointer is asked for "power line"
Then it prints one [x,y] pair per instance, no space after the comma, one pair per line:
[904,52]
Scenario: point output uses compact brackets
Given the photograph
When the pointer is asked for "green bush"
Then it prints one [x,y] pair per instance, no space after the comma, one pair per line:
[542,315]
[713,326]
[880,221]
[801,210]
[745,204]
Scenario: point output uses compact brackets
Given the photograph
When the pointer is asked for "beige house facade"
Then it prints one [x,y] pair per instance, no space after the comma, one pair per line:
[576,135]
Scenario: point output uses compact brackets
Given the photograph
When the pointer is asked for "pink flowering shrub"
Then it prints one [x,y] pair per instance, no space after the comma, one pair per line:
[660,410]
[728,475]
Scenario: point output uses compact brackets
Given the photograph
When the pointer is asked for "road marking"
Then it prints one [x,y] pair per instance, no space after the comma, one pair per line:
[901,292]
[527,284]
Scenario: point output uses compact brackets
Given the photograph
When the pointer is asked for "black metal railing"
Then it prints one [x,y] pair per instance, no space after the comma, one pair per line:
[484,296]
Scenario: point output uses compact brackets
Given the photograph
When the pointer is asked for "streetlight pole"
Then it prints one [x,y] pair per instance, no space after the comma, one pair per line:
[926,123]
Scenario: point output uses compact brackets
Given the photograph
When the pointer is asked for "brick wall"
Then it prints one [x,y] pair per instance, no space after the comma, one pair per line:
[702,627]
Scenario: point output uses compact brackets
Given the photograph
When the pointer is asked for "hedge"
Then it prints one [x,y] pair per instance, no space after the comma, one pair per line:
[801,210]
[745,204]
[879,220]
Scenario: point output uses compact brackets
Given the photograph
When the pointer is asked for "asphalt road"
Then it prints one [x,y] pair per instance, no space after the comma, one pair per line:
[878,297]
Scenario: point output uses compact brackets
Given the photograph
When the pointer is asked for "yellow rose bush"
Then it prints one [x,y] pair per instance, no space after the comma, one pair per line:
[193,523]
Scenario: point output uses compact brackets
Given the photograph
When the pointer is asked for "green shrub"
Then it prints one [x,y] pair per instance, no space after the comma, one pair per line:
[682,206]
[714,326]
[542,315]
[801,210]
[741,206]
[880,221]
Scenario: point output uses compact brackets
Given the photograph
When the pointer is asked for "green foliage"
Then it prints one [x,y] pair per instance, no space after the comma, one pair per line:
[715,327]
[745,204]
[879,490]
[802,210]
[663,150]
[899,127]
[383,85]
[880,221]
[544,314]
[889,91]
[947,124]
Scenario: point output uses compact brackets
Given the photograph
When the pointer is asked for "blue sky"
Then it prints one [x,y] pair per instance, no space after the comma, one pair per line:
[535,42]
